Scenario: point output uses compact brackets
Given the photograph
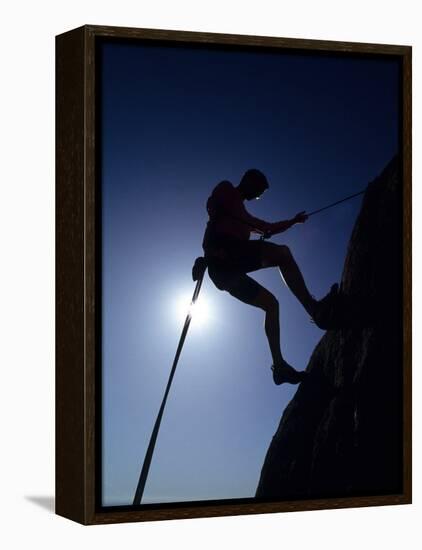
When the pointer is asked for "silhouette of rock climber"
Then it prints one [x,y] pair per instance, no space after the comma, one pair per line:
[230,255]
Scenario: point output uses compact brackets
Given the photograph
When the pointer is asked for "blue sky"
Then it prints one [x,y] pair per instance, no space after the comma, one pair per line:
[175,122]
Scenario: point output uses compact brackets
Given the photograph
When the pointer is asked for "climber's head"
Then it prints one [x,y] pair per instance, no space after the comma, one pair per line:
[253,184]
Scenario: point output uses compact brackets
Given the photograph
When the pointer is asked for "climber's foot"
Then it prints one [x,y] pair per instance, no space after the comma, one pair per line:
[283,372]
[323,312]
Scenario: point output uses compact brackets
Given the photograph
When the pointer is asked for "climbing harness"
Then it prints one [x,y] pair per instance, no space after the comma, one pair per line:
[198,272]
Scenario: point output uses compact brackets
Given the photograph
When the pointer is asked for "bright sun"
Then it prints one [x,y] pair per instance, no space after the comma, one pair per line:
[200,311]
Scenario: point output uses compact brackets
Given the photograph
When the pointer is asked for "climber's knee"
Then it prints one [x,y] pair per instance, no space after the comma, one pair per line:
[283,253]
[284,249]
[267,301]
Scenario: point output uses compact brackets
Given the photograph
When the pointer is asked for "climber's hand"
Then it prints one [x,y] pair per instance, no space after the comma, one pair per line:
[301,217]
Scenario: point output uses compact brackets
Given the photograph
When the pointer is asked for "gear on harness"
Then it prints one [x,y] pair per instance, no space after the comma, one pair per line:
[199,268]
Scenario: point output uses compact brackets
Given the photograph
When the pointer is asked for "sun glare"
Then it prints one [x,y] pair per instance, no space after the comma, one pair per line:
[200,310]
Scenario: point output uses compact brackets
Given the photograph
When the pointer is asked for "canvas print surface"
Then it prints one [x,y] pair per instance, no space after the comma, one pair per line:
[289,380]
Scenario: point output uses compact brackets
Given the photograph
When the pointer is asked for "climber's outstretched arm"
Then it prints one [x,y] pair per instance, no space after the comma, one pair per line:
[280,227]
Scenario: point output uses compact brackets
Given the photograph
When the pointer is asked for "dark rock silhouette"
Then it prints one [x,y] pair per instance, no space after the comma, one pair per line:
[341,434]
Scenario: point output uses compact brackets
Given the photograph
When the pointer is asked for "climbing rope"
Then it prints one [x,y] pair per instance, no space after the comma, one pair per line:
[335,203]
[198,276]
[265,236]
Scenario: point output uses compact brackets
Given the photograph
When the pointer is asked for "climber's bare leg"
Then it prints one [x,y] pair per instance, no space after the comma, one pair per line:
[269,304]
[250,292]
[275,255]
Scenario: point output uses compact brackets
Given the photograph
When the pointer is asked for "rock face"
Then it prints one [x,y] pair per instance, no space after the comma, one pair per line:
[341,434]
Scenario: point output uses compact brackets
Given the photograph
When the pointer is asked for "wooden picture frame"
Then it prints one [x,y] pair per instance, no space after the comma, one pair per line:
[78,307]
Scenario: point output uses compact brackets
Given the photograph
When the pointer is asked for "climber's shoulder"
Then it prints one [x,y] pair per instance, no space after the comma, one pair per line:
[224,186]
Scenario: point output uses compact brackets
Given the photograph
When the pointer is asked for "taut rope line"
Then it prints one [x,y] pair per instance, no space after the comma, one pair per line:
[150,451]
[335,203]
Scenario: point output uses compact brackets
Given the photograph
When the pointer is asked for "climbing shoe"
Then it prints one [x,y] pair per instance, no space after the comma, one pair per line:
[324,315]
[283,372]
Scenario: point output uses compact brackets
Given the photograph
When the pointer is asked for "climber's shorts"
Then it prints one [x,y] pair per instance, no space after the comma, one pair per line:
[229,267]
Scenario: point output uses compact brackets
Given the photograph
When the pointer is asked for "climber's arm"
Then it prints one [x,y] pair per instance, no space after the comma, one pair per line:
[280,227]
[235,208]
[231,205]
